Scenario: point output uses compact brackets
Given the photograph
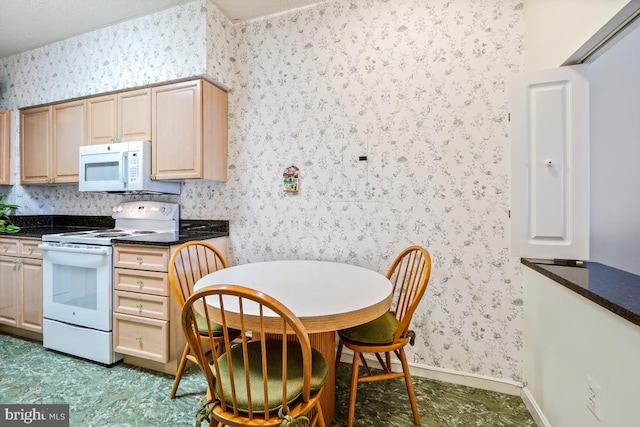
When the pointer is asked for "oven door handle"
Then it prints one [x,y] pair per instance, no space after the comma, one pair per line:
[99,250]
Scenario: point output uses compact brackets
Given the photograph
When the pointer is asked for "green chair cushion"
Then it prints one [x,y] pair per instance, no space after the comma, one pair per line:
[319,373]
[202,326]
[377,331]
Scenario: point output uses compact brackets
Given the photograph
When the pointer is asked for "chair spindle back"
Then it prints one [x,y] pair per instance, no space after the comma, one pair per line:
[238,379]
[409,275]
[189,263]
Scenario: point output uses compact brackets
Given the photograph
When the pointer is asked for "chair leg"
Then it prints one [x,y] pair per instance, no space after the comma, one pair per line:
[338,354]
[218,350]
[320,415]
[354,388]
[409,383]
[181,366]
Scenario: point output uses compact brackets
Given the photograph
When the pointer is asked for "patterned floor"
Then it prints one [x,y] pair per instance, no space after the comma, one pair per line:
[127,396]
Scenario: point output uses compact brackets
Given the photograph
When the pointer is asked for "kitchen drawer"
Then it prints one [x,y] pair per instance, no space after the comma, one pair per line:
[9,247]
[138,304]
[29,248]
[148,282]
[141,337]
[141,257]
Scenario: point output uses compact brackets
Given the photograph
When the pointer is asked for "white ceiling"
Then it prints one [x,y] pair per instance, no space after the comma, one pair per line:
[28,24]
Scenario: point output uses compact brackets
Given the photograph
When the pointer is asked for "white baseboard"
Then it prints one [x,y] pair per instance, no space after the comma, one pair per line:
[534,409]
[448,375]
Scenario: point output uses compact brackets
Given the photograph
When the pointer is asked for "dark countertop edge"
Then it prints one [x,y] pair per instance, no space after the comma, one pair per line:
[182,238]
[35,226]
[605,303]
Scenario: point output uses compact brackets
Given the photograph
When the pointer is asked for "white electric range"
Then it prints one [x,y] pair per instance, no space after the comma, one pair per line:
[77,278]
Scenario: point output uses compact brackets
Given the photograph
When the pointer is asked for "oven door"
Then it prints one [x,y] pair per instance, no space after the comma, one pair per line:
[76,284]
[103,167]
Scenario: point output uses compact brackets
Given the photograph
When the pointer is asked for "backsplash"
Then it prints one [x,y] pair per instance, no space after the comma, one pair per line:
[417,87]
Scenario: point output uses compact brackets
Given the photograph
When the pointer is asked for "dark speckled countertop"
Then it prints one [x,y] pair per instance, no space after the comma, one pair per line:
[189,230]
[615,290]
[35,226]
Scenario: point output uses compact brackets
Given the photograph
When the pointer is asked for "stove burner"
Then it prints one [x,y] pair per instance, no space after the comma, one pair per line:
[77,233]
[111,234]
[136,221]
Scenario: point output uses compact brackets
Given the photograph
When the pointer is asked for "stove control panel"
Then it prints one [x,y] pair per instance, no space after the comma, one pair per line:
[148,210]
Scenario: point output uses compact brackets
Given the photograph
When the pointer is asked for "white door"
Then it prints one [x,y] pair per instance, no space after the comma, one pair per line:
[550,164]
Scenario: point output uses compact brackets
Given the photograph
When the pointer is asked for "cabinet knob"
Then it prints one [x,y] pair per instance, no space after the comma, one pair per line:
[17,261]
[30,249]
[139,259]
[139,306]
[139,338]
[139,282]
[5,247]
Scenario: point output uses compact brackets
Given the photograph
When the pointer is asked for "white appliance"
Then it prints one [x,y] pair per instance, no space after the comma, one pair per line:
[77,278]
[123,167]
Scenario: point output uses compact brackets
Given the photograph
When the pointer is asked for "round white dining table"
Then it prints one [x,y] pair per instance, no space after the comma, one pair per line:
[325,296]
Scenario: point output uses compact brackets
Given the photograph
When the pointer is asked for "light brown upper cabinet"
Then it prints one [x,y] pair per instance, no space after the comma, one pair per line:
[69,133]
[189,126]
[102,119]
[186,121]
[119,117]
[5,151]
[35,145]
[50,140]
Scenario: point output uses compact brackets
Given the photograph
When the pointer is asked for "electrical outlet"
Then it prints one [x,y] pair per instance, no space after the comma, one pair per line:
[594,397]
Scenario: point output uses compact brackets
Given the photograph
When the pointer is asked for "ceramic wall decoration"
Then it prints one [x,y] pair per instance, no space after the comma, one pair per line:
[291,177]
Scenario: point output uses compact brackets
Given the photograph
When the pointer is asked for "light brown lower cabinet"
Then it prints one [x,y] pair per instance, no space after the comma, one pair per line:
[21,285]
[147,328]
[142,337]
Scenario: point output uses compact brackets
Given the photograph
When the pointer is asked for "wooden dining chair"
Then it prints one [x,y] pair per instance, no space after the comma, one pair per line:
[188,263]
[390,332]
[274,379]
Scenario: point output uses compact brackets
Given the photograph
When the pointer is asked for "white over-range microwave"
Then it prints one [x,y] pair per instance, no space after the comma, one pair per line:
[123,167]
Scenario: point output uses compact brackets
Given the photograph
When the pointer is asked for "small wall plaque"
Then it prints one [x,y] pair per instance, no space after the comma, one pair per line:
[291,176]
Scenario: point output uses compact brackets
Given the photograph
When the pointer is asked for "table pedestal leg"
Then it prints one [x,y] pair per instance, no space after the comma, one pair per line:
[325,343]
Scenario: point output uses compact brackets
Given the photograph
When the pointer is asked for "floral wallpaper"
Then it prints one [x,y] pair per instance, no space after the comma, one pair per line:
[417,87]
